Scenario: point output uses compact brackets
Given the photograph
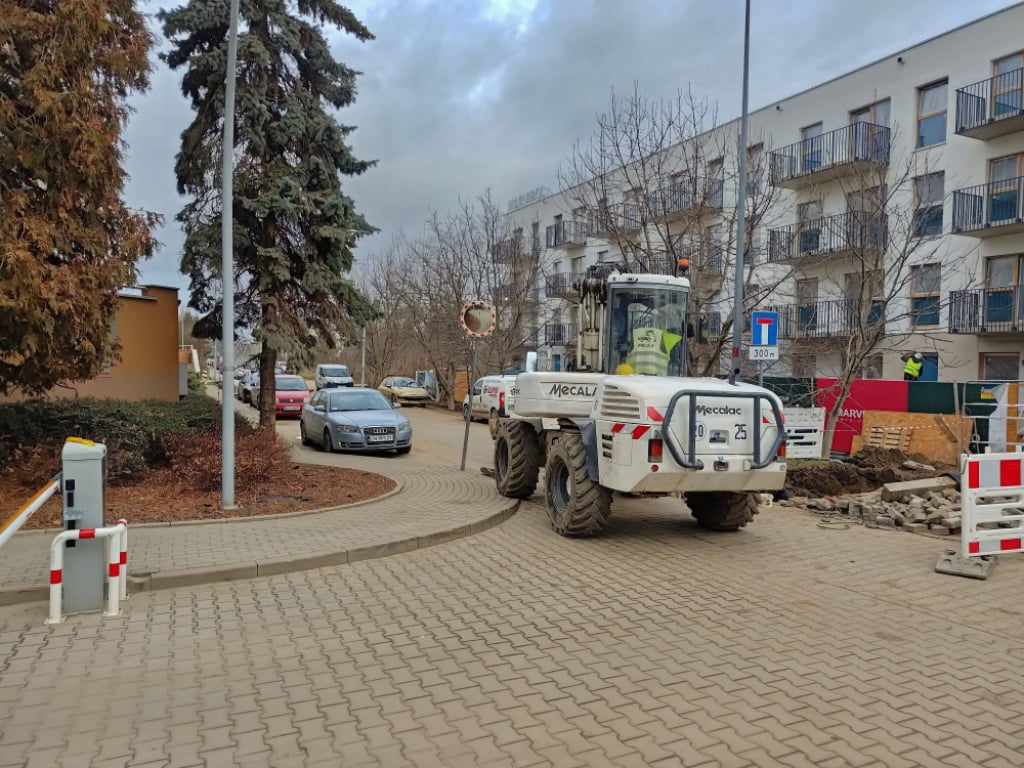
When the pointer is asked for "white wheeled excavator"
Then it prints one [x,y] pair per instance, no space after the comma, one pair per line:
[625,417]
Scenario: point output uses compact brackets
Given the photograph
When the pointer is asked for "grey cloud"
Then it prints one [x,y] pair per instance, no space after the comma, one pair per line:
[538,89]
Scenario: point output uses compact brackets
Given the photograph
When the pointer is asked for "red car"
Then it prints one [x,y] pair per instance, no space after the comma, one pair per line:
[292,394]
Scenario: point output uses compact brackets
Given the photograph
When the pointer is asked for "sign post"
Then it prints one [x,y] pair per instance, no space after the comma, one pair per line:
[477,319]
[764,340]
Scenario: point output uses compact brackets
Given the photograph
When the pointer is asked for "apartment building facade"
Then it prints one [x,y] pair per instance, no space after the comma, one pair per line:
[888,204]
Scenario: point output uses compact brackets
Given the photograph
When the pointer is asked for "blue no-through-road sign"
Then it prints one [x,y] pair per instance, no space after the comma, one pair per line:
[764,329]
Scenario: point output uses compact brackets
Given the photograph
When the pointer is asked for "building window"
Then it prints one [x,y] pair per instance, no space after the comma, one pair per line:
[1006,84]
[876,114]
[713,256]
[810,148]
[925,284]
[809,217]
[1004,294]
[872,367]
[1000,366]
[929,193]
[1004,187]
[931,114]
[716,182]
[603,257]
[755,168]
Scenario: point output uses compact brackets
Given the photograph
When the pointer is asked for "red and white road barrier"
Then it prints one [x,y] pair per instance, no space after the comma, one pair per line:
[117,566]
[992,504]
[10,526]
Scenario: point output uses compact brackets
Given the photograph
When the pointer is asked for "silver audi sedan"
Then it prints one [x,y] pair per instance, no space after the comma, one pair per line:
[354,419]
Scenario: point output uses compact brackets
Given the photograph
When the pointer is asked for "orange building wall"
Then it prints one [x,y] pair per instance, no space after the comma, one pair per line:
[147,328]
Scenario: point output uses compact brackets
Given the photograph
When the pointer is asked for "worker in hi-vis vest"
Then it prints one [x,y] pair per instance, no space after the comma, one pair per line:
[914,364]
[651,351]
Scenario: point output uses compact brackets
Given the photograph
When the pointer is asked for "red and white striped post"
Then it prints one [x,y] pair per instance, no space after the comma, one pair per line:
[117,553]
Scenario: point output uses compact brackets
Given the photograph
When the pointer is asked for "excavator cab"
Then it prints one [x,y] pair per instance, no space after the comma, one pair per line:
[646,327]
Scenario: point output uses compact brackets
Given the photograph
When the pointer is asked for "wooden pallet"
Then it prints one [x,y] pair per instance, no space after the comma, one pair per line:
[889,437]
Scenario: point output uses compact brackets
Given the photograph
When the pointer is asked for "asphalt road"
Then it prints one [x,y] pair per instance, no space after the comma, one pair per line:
[437,438]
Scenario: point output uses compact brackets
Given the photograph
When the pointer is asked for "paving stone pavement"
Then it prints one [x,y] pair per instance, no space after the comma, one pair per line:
[433,502]
[659,644]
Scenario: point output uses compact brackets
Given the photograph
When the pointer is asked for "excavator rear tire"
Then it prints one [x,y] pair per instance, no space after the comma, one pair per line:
[517,458]
[577,505]
[723,510]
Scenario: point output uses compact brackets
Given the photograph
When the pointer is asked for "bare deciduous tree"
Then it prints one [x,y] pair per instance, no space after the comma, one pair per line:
[655,181]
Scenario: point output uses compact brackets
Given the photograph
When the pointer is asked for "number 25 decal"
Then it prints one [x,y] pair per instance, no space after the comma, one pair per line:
[741,432]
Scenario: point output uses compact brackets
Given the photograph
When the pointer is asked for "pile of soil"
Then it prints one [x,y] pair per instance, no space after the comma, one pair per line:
[164,498]
[866,471]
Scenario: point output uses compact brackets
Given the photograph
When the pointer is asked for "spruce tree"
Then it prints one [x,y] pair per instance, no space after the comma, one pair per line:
[294,227]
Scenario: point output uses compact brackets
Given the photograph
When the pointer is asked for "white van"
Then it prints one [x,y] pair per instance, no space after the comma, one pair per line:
[489,399]
[333,375]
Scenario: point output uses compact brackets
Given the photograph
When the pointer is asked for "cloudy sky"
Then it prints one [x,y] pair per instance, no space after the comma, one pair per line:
[458,96]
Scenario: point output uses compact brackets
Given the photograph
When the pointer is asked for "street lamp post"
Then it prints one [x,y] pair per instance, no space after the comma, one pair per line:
[228,264]
[741,210]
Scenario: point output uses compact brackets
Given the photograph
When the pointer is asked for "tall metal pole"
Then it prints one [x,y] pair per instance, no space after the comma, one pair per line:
[227,269]
[741,210]
[362,365]
[469,416]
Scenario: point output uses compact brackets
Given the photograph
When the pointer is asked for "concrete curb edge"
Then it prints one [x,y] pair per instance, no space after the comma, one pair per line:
[149,582]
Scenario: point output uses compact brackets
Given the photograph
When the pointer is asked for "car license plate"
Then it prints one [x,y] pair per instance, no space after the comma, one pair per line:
[291,407]
[380,439]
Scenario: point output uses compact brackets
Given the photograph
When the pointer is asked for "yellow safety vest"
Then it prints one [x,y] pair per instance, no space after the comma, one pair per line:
[913,367]
[649,356]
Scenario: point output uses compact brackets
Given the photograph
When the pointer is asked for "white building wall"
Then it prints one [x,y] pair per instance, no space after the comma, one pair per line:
[963,56]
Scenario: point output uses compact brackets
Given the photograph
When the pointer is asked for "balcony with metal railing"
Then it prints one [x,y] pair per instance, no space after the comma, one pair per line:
[562,285]
[560,334]
[567,234]
[991,107]
[619,217]
[989,210]
[987,310]
[690,197]
[832,319]
[509,250]
[844,152]
[843,235]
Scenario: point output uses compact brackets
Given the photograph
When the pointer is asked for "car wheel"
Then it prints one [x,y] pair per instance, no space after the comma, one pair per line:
[465,413]
[328,442]
[302,432]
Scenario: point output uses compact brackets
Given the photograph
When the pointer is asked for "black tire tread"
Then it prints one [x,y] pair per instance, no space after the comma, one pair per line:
[524,459]
[590,504]
[723,510]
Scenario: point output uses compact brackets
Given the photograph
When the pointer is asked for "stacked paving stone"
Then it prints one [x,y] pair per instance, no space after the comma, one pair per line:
[918,506]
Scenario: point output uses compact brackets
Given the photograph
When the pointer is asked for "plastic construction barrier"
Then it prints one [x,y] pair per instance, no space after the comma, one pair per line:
[992,504]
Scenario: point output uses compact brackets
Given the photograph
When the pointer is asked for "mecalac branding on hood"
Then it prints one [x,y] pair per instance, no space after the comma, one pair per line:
[572,390]
[718,410]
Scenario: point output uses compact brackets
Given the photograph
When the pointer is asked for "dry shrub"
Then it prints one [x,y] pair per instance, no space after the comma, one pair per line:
[261,462]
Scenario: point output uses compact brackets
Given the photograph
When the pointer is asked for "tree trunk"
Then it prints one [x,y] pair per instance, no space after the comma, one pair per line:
[832,417]
[268,392]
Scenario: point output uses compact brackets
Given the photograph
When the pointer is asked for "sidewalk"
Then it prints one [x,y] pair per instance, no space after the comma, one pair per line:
[431,505]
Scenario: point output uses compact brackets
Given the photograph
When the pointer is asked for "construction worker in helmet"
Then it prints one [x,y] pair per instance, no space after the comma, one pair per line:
[651,351]
[913,364]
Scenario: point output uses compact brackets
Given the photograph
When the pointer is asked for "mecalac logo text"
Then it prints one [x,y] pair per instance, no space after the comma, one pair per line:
[572,390]
[717,410]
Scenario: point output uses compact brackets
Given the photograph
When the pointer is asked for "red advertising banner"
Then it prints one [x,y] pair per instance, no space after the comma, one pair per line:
[865,395]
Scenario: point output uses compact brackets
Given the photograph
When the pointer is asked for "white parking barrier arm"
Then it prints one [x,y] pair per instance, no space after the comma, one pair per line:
[116,536]
[12,524]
